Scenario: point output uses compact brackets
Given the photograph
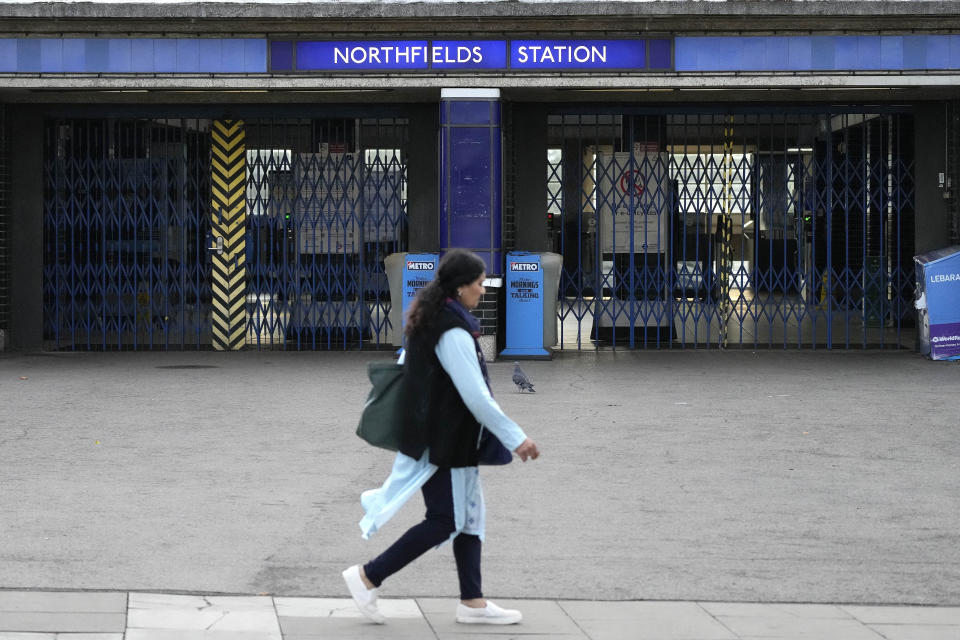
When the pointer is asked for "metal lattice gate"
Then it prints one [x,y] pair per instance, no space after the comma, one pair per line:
[136,235]
[327,203]
[126,264]
[691,229]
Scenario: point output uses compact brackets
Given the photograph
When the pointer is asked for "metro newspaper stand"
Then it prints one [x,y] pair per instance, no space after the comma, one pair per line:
[531,304]
[407,273]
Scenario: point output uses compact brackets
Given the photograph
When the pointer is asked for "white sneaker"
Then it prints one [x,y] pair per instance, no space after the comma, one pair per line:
[490,614]
[365,599]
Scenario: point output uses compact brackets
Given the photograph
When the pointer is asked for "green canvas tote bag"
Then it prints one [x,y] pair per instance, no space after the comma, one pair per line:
[381,422]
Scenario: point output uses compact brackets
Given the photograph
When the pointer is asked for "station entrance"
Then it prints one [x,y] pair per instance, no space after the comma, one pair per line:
[679,227]
[750,228]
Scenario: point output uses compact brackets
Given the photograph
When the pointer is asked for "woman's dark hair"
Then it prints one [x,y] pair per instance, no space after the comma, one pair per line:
[457,268]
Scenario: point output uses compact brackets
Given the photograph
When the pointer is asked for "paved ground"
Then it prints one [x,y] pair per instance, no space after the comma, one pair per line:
[151,616]
[696,477]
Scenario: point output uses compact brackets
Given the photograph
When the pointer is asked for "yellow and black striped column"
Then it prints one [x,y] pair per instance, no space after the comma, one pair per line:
[725,231]
[228,224]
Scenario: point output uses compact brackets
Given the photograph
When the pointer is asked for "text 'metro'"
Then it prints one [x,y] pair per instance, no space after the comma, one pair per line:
[419,266]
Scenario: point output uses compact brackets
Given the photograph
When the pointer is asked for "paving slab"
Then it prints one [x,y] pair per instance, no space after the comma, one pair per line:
[906,615]
[336,628]
[917,631]
[540,617]
[61,636]
[794,628]
[194,634]
[62,622]
[165,601]
[62,601]
[392,608]
[503,633]
[202,613]
[646,621]
[264,622]
[777,610]
[789,621]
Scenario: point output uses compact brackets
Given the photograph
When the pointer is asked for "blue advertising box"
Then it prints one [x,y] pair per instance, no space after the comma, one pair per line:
[938,295]
[418,271]
[525,304]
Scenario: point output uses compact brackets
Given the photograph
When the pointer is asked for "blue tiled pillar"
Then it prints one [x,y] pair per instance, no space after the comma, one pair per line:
[470,174]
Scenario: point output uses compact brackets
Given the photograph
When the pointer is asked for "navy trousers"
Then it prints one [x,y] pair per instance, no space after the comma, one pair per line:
[436,528]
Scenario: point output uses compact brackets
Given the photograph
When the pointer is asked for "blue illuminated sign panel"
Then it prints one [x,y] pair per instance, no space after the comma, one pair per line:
[460,55]
[469,54]
[578,54]
[398,55]
[362,56]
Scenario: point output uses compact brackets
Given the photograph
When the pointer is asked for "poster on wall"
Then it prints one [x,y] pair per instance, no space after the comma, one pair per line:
[328,201]
[632,199]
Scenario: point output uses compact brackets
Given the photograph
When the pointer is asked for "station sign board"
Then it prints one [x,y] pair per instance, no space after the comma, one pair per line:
[637,54]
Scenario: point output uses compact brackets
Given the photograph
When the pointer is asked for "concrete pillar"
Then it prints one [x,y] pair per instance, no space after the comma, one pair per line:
[930,133]
[529,131]
[422,178]
[26,229]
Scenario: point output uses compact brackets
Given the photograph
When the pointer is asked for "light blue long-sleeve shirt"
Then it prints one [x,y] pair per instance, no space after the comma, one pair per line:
[458,356]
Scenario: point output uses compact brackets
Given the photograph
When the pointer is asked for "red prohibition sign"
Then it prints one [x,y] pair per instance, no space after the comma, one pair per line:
[632,178]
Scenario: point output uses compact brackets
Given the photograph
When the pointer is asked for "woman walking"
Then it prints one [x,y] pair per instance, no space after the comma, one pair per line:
[452,424]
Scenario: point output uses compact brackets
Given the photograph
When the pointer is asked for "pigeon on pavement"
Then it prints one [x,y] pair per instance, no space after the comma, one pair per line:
[521,380]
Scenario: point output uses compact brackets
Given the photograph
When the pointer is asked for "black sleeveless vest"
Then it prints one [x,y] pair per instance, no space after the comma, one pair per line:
[435,415]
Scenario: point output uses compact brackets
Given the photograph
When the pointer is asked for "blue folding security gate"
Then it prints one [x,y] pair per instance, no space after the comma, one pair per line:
[125,227]
[327,203]
[128,239]
[691,228]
